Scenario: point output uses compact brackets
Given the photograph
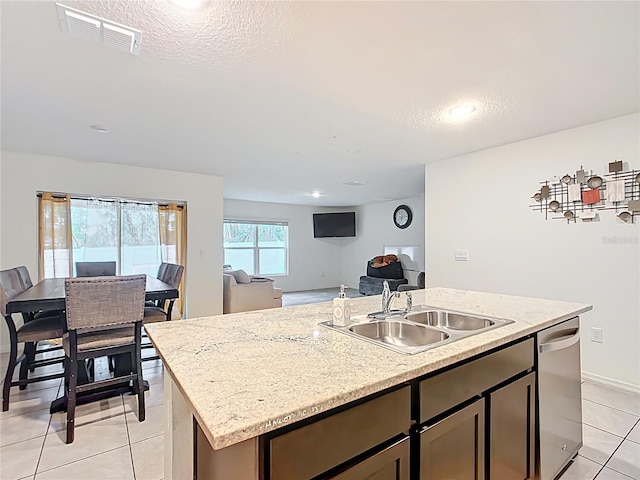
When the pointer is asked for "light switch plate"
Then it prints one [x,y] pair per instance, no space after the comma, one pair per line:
[462,255]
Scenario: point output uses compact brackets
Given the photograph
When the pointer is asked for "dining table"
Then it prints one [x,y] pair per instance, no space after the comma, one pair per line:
[49,294]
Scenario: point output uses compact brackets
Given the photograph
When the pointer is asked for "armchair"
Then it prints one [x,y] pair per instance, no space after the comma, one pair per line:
[243,296]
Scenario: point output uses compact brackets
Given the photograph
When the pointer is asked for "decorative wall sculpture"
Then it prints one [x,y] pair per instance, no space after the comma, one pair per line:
[585,194]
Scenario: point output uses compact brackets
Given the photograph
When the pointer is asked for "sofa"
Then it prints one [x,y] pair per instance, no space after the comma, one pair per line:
[242,293]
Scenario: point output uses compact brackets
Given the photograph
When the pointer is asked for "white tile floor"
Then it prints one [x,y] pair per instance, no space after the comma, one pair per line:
[610,435]
[111,444]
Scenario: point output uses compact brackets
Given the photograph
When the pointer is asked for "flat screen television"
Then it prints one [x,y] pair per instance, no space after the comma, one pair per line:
[341,224]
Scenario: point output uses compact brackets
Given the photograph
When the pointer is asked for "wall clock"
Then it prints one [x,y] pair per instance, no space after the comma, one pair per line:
[402,216]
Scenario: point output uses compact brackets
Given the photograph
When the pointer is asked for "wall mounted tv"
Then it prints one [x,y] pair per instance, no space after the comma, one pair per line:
[341,224]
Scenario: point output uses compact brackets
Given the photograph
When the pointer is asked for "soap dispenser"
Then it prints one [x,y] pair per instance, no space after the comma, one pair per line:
[341,309]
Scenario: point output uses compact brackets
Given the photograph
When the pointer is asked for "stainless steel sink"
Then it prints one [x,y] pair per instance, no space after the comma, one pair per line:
[399,333]
[420,329]
[450,320]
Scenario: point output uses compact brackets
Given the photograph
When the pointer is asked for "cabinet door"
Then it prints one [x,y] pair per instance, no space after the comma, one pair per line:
[391,463]
[454,447]
[511,430]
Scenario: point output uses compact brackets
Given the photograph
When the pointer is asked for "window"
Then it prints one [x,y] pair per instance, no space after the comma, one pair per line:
[257,248]
[139,236]
[128,232]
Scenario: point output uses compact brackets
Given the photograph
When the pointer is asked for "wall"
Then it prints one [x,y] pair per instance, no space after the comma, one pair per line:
[328,262]
[480,202]
[313,262]
[24,174]
[375,228]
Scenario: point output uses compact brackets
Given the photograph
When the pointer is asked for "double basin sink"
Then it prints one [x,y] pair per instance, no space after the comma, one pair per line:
[422,328]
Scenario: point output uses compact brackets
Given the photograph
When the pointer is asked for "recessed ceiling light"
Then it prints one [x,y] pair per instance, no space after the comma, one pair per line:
[191,4]
[461,112]
[99,129]
[316,194]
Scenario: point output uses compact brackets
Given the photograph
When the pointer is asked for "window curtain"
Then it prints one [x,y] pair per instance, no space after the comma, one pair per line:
[173,242]
[55,236]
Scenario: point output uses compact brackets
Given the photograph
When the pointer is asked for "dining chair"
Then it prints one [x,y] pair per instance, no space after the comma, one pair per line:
[30,333]
[161,310]
[31,349]
[95,269]
[159,275]
[104,317]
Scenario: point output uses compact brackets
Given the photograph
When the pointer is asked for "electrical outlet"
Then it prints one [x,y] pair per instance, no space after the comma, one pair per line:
[596,335]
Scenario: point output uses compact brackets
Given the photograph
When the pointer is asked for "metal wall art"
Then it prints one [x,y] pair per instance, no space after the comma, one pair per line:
[583,195]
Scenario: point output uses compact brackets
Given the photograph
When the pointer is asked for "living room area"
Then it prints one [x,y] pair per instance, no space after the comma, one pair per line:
[316,267]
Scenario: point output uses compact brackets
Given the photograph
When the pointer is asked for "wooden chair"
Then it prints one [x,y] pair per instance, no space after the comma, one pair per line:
[31,349]
[30,333]
[104,317]
[160,311]
[95,269]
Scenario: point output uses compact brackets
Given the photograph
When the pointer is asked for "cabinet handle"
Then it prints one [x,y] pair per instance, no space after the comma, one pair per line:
[554,345]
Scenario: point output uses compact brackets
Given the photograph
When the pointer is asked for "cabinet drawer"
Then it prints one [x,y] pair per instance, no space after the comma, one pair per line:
[315,448]
[446,390]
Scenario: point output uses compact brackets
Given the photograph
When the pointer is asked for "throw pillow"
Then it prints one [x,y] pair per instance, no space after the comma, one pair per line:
[240,276]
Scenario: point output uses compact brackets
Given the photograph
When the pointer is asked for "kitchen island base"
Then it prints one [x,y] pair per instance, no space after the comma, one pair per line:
[270,395]
[475,418]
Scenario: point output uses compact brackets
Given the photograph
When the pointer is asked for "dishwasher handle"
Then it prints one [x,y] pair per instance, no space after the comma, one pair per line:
[562,341]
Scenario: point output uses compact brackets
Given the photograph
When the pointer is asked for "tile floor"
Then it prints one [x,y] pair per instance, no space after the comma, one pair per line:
[315,296]
[111,443]
[610,435]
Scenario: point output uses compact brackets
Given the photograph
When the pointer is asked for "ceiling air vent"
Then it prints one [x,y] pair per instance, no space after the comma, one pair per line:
[89,27]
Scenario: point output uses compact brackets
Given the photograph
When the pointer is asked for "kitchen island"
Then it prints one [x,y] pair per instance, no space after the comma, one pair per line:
[234,383]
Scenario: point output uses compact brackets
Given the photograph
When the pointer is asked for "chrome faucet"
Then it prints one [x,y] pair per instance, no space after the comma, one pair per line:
[387,298]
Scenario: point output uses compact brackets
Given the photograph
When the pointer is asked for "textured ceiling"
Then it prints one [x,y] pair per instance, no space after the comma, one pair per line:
[282,99]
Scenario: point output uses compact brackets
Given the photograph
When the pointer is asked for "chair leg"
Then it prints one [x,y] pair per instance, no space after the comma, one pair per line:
[11,366]
[136,360]
[71,394]
[29,352]
[32,357]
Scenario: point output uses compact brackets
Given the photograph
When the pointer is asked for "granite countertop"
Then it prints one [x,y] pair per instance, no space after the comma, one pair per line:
[246,374]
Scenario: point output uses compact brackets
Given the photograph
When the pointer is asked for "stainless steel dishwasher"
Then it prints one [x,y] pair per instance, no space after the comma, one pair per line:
[559,396]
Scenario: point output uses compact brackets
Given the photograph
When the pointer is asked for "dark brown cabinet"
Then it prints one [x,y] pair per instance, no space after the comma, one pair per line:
[453,448]
[492,437]
[392,463]
[512,430]
[320,447]
[474,421]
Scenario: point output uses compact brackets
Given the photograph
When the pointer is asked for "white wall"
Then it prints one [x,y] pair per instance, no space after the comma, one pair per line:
[328,262]
[313,262]
[480,202]
[375,228]
[24,174]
